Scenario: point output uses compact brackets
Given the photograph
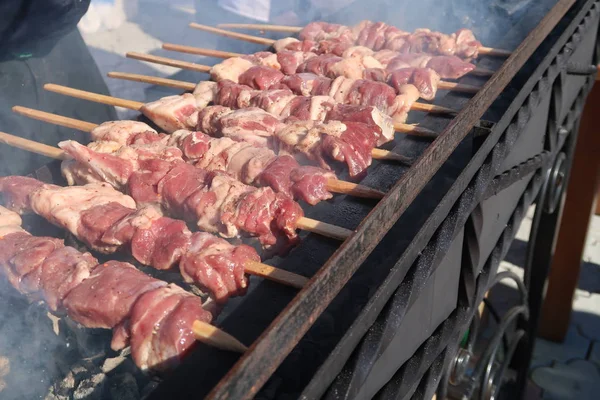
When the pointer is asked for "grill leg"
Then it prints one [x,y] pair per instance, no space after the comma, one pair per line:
[540,251]
[579,204]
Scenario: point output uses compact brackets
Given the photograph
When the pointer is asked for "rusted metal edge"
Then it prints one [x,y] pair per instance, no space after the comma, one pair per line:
[278,340]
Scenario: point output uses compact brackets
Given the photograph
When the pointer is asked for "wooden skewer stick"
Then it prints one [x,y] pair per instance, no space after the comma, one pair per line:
[378,154]
[458,87]
[224,54]
[216,337]
[488,51]
[95,97]
[269,42]
[334,185]
[168,61]
[478,71]
[154,80]
[323,228]
[191,86]
[262,27]
[251,267]
[304,223]
[234,35]
[415,130]
[275,274]
[52,119]
[199,51]
[32,146]
[399,127]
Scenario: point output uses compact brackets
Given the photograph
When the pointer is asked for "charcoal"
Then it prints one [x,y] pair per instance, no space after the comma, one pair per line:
[52,395]
[123,387]
[148,389]
[83,369]
[91,343]
[64,388]
[90,388]
[112,363]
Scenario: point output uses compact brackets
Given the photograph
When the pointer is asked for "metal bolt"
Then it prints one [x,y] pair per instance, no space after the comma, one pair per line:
[491,386]
[461,364]
[556,183]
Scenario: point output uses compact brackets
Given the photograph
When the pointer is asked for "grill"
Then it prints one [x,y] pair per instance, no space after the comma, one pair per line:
[384,313]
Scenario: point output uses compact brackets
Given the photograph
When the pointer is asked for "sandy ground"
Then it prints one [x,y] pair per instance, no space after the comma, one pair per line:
[563,371]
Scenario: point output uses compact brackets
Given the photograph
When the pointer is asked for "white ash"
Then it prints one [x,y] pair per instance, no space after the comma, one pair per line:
[90,388]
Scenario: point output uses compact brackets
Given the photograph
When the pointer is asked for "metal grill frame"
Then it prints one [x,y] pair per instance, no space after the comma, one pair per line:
[421,375]
[477,181]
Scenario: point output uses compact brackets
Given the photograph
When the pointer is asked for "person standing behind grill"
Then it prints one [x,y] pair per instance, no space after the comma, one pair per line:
[39,43]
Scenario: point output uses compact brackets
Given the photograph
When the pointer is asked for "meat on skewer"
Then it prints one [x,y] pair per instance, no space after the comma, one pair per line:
[357,92]
[154,317]
[180,111]
[422,70]
[322,37]
[351,142]
[107,221]
[330,37]
[244,161]
[250,164]
[292,56]
[214,201]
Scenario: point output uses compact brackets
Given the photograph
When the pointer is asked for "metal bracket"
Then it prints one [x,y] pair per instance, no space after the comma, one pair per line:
[575,68]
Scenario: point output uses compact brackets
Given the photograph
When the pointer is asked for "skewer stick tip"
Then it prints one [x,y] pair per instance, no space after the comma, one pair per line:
[382,154]
[353,189]
[275,274]
[414,130]
[490,51]
[323,228]
[214,336]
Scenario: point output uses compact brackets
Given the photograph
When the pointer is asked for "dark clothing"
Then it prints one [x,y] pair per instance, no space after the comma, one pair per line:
[35,26]
[67,62]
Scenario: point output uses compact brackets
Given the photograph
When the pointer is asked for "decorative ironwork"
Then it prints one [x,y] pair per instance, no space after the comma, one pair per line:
[403,384]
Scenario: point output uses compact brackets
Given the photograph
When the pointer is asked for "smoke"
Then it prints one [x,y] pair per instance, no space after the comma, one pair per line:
[37,356]
[490,20]
[29,344]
